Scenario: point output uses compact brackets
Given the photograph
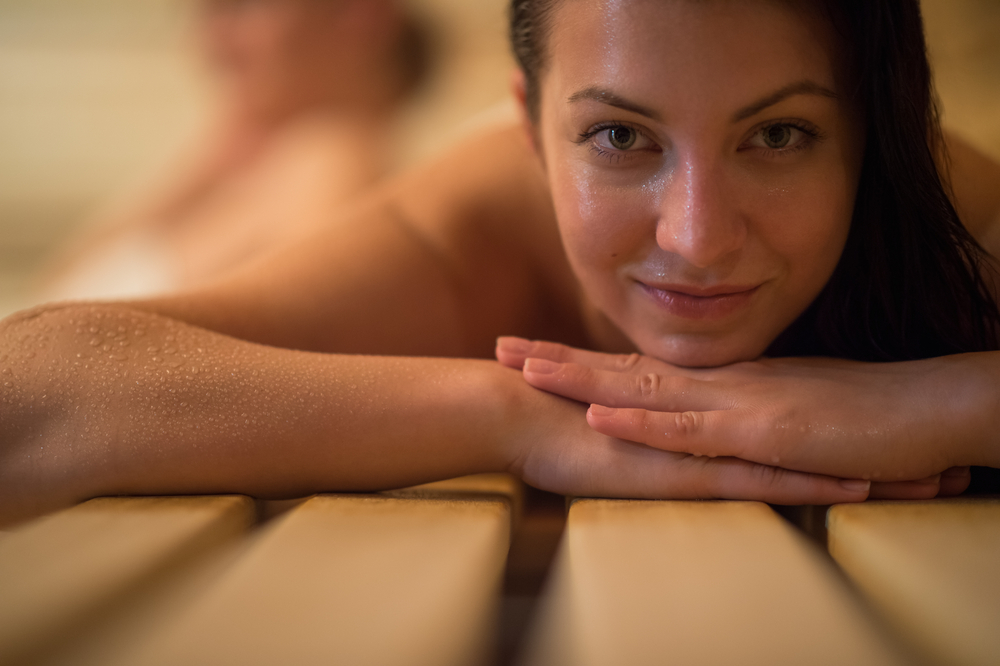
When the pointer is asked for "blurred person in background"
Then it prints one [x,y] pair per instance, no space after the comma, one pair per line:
[309,89]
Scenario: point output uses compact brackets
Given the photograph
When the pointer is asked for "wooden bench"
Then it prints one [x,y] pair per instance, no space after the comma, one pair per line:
[413,577]
[932,568]
[640,582]
[58,575]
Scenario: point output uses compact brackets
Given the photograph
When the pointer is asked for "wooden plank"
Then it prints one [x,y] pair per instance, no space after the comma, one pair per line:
[932,567]
[473,486]
[639,582]
[139,619]
[353,580]
[65,570]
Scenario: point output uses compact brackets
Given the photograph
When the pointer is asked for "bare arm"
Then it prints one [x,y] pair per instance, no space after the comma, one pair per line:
[110,400]
[908,426]
[173,395]
[101,400]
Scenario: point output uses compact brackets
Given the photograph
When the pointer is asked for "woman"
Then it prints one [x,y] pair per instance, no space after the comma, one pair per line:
[703,184]
[303,86]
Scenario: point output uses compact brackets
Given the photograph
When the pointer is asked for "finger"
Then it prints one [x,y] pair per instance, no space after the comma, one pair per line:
[732,478]
[512,352]
[922,489]
[954,481]
[625,469]
[700,433]
[649,390]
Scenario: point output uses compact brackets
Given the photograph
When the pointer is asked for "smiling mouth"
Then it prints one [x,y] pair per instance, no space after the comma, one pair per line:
[698,303]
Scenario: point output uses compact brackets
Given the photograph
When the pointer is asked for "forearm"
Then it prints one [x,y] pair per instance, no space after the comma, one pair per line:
[105,400]
[975,397]
[888,422]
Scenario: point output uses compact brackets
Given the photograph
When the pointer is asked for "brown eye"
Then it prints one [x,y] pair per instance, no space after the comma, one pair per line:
[777,136]
[622,137]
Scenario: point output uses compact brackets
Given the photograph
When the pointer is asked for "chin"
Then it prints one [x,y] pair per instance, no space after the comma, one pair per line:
[701,352]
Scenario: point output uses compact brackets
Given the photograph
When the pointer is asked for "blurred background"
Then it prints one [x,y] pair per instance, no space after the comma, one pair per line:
[97,96]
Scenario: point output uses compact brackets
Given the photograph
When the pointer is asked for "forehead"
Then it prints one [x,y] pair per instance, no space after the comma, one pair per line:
[672,51]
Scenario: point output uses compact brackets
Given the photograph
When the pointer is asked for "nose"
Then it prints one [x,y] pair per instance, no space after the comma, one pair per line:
[698,217]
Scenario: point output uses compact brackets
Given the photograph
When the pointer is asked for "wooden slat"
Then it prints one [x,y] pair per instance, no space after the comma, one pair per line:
[696,583]
[474,486]
[353,580]
[932,567]
[65,570]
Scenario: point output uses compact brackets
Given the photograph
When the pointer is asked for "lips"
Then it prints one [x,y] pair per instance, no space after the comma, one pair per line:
[693,302]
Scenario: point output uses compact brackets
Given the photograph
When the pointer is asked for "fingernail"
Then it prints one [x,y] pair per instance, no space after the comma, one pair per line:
[601,410]
[930,481]
[855,485]
[540,366]
[514,345]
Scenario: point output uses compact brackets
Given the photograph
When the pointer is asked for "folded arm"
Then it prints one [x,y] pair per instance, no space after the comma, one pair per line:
[894,423]
[103,399]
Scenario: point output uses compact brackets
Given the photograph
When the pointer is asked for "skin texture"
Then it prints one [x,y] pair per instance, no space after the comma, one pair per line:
[699,204]
[347,361]
[786,412]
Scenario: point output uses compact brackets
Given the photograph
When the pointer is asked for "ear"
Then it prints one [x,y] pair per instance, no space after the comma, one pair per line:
[517,87]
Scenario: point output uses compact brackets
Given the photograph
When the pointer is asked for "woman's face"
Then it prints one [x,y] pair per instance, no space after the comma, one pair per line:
[703,159]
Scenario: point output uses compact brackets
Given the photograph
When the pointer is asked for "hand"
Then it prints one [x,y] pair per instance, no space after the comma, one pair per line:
[552,447]
[892,423]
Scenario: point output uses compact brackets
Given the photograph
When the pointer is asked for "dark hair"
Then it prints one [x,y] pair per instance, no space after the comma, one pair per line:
[413,54]
[529,32]
[909,283]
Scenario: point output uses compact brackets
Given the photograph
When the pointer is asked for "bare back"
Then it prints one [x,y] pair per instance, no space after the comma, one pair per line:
[439,262]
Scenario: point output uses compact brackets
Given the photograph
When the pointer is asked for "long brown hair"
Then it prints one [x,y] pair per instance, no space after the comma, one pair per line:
[909,283]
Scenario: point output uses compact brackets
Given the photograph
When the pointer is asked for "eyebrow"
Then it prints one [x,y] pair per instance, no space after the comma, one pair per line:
[804,87]
[605,96]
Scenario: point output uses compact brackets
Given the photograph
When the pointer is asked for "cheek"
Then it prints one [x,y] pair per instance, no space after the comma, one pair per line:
[603,224]
[806,225]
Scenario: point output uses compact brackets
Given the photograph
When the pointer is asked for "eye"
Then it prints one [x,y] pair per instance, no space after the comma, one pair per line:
[783,136]
[620,138]
[776,136]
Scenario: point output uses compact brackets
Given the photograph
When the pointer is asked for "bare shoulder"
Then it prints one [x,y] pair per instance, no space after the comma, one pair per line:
[975,181]
[487,208]
[492,178]
[437,262]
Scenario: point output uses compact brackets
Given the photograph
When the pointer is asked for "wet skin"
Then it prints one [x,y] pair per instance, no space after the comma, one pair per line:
[703,160]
